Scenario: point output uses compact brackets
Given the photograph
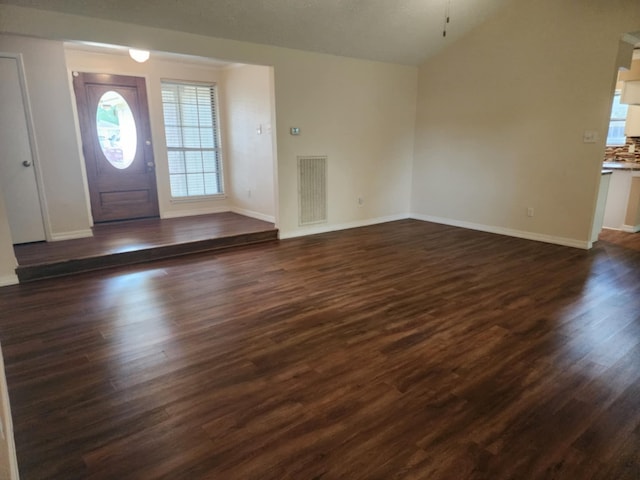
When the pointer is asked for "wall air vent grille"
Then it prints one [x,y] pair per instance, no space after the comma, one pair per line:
[312,190]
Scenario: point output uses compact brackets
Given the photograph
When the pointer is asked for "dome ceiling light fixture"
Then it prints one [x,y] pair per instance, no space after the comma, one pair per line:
[139,56]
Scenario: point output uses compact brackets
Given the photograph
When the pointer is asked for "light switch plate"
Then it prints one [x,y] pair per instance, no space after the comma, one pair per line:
[590,136]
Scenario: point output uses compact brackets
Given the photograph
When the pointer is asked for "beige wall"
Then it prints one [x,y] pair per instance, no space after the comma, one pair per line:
[361,115]
[501,116]
[248,146]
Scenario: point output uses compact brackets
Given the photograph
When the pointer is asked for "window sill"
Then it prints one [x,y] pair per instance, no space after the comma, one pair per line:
[201,198]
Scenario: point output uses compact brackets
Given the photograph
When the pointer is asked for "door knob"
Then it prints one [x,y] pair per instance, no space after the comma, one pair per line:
[26,163]
[150,164]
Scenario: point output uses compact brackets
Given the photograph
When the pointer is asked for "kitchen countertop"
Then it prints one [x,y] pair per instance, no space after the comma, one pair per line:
[621,165]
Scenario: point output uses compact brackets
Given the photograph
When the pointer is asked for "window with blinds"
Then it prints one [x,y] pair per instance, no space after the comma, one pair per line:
[191,129]
[615,135]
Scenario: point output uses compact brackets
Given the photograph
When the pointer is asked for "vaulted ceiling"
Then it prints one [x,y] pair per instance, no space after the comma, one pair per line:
[397,31]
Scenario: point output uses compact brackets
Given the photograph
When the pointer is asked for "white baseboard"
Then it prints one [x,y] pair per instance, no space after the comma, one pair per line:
[630,228]
[252,214]
[324,228]
[7,280]
[538,237]
[56,237]
[194,212]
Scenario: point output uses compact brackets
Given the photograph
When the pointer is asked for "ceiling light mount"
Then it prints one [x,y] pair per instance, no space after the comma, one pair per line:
[139,56]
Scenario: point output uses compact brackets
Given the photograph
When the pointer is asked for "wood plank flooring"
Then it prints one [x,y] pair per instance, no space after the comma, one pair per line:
[138,241]
[406,350]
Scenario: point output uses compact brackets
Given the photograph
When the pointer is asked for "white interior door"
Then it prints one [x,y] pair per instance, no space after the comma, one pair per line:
[17,176]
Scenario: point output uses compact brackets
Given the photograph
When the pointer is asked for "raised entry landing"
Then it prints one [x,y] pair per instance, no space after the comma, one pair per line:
[137,241]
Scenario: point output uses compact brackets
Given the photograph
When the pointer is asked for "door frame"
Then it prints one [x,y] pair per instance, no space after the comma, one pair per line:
[35,157]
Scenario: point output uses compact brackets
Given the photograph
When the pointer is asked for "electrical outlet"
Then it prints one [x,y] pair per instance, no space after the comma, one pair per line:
[360,201]
[632,148]
[248,193]
[530,212]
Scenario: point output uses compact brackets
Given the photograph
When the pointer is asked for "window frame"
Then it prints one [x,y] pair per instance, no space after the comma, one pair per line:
[217,145]
[613,118]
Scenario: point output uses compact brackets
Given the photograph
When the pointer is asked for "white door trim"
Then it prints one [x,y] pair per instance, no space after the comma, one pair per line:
[9,440]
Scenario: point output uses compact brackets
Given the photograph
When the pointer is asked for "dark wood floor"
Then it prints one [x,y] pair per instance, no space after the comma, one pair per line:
[136,241]
[407,350]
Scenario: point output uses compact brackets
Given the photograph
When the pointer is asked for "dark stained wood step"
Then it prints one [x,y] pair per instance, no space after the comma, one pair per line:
[29,273]
[125,243]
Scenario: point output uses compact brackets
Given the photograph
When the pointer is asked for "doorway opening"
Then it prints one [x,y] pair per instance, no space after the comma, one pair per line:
[243,95]
[619,205]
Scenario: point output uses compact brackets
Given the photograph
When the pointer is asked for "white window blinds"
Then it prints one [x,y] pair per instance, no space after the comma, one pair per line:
[191,128]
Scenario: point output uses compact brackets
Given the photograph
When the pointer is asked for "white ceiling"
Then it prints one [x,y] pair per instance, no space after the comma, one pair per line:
[397,31]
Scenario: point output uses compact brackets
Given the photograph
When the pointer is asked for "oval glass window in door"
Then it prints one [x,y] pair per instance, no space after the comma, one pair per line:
[117,132]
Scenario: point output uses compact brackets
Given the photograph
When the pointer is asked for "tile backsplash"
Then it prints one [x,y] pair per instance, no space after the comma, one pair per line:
[622,153]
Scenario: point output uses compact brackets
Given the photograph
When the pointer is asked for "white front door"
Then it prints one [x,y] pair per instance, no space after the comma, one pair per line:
[17,176]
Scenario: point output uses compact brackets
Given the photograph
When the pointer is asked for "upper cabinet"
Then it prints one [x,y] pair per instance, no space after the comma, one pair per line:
[632,125]
[631,92]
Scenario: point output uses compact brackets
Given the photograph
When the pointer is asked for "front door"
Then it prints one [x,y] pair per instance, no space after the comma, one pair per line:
[17,176]
[116,141]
